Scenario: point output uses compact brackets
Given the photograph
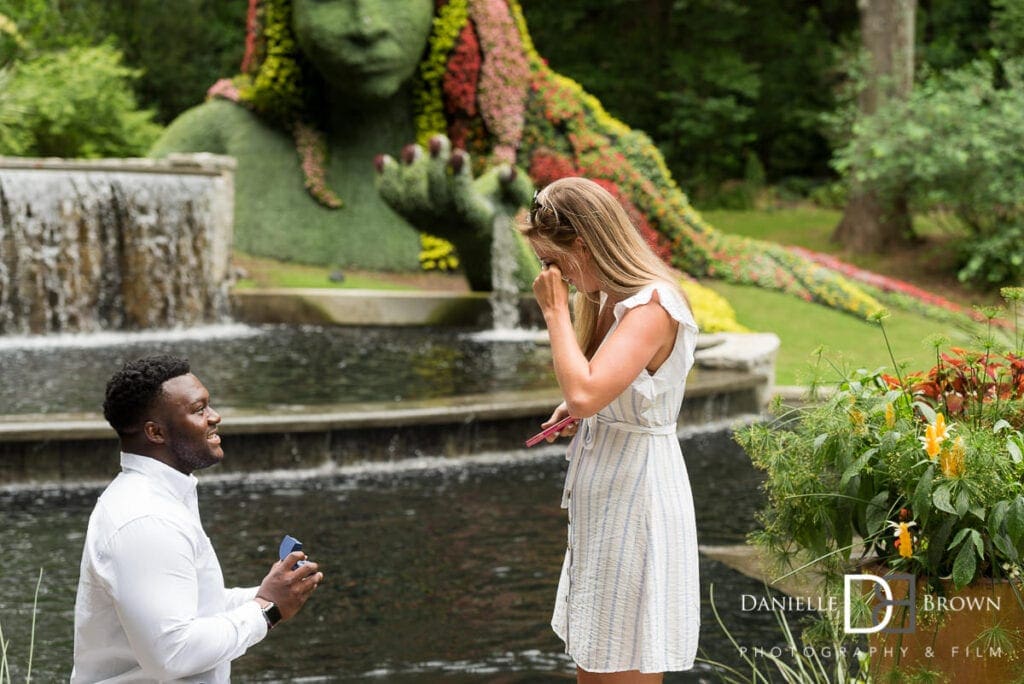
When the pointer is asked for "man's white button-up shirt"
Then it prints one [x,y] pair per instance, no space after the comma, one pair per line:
[151,604]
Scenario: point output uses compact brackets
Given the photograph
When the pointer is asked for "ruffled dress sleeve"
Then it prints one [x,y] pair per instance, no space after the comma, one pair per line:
[676,367]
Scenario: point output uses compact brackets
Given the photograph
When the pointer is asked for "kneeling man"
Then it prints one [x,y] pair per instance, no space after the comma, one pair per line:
[151,602]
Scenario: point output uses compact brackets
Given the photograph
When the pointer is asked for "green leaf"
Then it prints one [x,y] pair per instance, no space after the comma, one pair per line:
[997,517]
[1000,425]
[1002,542]
[819,440]
[1014,448]
[1015,521]
[963,502]
[926,411]
[876,513]
[856,466]
[941,499]
[937,544]
[979,545]
[964,566]
[922,496]
[959,538]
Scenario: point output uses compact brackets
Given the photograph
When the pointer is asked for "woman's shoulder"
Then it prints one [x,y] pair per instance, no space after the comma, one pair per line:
[666,294]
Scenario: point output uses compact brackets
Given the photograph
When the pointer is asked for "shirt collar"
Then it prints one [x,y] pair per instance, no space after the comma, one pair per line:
[178,483]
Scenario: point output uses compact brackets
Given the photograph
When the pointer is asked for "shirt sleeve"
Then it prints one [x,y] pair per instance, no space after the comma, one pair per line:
[154,584]
[237,596]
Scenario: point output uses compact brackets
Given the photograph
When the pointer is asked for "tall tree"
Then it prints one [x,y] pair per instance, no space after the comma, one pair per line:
[872,222]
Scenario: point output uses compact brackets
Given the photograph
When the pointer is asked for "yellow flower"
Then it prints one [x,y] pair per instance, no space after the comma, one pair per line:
[932,444]
[934,435]
[904,542]
[857,418]
[952,461]
[890,415]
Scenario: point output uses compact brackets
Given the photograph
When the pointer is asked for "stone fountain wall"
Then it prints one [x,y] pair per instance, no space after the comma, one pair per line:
[90,245]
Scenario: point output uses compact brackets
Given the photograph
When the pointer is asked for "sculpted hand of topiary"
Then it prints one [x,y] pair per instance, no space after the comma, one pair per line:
[437,193]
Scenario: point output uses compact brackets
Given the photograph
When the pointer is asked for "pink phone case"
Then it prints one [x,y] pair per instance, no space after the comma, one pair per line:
[557,427]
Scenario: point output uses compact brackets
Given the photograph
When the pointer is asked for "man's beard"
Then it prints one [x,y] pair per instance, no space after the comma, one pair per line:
[191,455]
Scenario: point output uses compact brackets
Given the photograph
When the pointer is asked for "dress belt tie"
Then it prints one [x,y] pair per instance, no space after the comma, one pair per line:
[586,437]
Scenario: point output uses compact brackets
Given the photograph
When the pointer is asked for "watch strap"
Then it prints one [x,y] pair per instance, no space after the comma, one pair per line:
[272,614]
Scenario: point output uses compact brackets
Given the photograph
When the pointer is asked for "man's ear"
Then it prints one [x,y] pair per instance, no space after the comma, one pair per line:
[154,432]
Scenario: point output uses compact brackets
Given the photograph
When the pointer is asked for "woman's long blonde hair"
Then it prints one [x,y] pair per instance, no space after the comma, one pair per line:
[578,207]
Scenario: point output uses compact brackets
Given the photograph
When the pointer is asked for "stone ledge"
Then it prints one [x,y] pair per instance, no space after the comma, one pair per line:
[360,307]
[298,418]
[747,352]
[71,448]
[201,163]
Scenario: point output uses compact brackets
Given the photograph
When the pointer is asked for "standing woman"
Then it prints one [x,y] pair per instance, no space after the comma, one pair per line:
[628,603]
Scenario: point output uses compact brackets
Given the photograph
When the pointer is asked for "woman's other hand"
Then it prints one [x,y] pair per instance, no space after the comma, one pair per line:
[561,412]
[551,290]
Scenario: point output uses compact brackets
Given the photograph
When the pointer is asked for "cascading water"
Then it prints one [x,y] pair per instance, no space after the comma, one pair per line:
[114,244]
[504,289]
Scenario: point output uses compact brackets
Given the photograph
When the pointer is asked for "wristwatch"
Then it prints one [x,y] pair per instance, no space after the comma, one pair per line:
[272,615]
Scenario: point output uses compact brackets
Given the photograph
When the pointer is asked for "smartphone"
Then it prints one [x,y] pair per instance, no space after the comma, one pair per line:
[557,427]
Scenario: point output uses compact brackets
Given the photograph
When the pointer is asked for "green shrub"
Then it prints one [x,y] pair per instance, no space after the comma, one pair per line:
[74,103]
[829,195]
[955,145]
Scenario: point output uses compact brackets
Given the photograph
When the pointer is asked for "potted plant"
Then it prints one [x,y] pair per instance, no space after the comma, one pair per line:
[918,473]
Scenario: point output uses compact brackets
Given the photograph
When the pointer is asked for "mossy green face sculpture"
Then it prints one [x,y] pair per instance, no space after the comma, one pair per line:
[363,48]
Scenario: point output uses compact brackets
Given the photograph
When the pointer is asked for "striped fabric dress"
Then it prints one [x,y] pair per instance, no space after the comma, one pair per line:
[629,597]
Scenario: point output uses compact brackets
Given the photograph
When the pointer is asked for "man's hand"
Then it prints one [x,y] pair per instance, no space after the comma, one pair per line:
[290,589]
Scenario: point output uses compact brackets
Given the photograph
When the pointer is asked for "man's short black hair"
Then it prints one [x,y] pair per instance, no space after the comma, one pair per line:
[133,389]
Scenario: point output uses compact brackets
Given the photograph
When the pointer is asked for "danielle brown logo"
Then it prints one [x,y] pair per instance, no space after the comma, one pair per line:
[883,595]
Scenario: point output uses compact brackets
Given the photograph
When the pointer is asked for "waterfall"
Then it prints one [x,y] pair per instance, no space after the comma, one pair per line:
[504,288]
[90,245]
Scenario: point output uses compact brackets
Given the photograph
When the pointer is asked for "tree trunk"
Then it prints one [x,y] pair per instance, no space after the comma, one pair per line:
[871,223]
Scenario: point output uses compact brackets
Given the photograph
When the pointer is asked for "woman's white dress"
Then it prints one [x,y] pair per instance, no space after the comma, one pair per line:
[629,596]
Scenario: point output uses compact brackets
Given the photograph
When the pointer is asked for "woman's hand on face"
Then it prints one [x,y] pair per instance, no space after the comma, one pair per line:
[550,289]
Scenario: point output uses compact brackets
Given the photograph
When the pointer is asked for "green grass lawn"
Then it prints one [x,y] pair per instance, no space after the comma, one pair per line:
[807,226]
[850,343]
[804,225]
[267,273]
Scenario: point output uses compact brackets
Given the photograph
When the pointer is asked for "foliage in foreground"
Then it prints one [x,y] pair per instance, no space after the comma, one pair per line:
[796,661]
[5,671]
[926,469]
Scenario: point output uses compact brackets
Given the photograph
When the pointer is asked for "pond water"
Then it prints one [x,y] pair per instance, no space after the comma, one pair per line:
[437,571]
[268,365]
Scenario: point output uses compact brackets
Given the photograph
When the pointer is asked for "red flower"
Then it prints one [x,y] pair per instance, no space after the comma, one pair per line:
[460,79]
